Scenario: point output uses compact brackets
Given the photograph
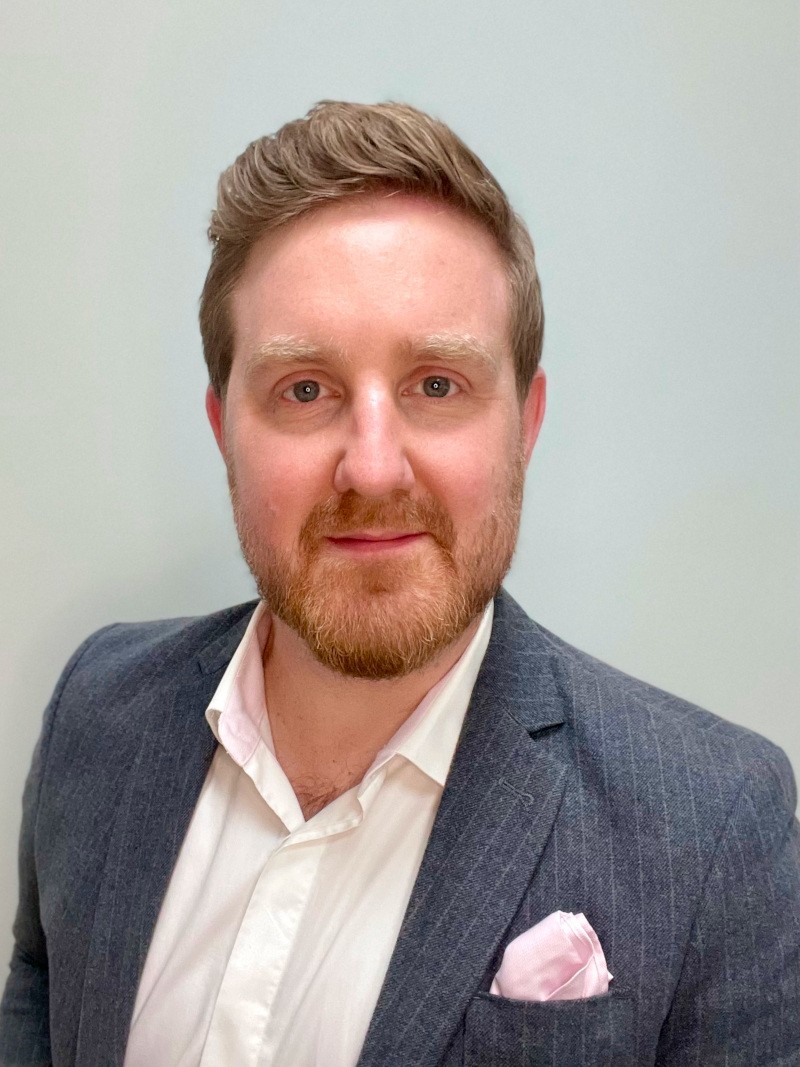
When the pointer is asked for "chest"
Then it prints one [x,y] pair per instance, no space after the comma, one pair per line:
[272,944]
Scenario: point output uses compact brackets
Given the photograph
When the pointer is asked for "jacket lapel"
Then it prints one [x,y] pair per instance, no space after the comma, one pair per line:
[497,810]
[163,784]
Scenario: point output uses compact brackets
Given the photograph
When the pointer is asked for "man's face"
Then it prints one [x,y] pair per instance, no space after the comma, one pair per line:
[373,436]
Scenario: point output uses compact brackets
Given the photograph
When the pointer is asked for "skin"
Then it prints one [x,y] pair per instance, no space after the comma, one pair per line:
[350,298]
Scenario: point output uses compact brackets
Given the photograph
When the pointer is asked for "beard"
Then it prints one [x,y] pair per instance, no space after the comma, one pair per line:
[377,618]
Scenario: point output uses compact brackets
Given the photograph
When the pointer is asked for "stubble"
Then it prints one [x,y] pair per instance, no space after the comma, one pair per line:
[377,618]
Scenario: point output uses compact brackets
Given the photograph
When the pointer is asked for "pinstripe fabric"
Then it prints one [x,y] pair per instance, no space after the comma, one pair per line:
[573,788]
[91,880]
[674,835]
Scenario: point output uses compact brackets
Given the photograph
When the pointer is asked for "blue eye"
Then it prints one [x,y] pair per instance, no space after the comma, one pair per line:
[436,386]
[305,391]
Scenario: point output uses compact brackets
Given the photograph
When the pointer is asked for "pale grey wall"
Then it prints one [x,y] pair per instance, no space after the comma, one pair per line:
[653,148]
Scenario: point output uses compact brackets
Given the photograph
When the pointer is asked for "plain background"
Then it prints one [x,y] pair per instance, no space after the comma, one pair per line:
[653,149]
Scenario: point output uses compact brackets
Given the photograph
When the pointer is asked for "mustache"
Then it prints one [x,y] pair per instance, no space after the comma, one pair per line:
[340,515]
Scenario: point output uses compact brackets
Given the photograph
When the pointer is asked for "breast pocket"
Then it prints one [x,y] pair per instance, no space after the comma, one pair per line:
[596,1032]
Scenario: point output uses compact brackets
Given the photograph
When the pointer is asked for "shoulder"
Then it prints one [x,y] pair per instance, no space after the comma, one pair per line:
[125,656]
[629,729]
[161,640]
[123,679]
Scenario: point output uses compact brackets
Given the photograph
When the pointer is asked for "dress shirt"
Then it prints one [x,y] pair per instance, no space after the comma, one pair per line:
[275,933]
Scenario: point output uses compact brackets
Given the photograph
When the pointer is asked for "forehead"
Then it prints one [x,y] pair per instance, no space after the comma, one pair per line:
[382,265]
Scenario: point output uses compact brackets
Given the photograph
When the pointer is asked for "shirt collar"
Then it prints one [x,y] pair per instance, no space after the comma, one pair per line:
[429,736]
[237,712]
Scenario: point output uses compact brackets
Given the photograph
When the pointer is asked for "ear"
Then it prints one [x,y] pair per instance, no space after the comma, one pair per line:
[533,411]
[215,413]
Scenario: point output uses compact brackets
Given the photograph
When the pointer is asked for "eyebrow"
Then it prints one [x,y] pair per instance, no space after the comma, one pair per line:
[286,351]
[456,347]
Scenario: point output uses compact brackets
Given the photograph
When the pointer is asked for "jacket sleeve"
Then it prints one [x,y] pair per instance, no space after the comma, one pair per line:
[737,1002]
[24,1009]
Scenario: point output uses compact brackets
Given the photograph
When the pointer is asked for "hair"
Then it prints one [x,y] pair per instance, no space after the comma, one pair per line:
[341,150]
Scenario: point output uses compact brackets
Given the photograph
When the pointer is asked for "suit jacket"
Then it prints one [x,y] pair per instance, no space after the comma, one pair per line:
[573,787]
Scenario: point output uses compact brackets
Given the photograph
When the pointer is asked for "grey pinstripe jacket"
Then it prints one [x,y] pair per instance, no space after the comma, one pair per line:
[573,787]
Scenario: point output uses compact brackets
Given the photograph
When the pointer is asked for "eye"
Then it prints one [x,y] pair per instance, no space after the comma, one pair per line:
[438,385]
[304,391]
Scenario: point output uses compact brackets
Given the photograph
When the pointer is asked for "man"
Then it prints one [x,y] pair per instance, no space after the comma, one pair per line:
[306,831]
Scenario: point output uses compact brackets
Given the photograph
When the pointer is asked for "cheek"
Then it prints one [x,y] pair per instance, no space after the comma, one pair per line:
[468,483]
[474,467]
[276,487]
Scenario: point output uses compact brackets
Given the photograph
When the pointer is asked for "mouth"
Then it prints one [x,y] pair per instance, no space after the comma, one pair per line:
[371,542]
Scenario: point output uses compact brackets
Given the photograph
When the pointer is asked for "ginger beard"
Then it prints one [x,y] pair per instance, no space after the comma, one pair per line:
[378,618]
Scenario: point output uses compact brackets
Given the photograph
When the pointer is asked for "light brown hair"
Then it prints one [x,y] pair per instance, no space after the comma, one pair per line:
[340,150]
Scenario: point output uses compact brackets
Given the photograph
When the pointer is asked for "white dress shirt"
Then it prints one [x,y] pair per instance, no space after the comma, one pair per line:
[275,933]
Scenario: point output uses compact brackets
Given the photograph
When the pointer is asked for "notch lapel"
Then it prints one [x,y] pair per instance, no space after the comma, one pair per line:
[497,810]
[153,815]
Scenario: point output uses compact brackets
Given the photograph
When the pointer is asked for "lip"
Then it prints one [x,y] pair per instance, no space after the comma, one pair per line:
[375,542]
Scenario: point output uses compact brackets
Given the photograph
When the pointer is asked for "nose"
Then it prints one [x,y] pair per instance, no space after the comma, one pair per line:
[373,461]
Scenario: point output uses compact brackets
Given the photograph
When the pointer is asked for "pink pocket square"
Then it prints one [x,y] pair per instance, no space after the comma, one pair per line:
[559,958]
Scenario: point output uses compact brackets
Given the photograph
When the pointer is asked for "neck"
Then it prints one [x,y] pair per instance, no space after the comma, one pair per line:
[326,727]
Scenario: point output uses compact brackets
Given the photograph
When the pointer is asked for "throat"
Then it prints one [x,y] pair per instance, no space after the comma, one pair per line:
[327,728]
[315,794]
